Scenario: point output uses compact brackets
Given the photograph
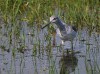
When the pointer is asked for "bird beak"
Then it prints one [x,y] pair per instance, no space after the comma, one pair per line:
[46,25]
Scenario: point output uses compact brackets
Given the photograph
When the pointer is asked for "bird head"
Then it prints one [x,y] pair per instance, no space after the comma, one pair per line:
[53,19]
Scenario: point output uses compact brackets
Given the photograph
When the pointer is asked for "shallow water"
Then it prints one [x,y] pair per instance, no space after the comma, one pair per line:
[33,52]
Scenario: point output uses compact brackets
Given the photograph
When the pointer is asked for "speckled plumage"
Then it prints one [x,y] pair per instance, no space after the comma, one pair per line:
[66,32]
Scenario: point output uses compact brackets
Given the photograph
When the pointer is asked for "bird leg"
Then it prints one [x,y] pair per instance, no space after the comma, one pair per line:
[62,46]
[72,45]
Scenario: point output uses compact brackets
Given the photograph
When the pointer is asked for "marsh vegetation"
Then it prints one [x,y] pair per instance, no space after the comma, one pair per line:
[26,49]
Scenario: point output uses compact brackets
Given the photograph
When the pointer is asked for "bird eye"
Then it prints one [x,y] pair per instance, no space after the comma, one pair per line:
[55,18]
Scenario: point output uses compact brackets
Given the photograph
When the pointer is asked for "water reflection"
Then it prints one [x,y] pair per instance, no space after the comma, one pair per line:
[68,64]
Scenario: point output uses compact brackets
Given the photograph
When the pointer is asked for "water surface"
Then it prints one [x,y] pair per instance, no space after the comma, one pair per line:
[31,51]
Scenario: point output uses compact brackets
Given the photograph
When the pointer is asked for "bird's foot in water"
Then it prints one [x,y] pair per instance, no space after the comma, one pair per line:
[62,48]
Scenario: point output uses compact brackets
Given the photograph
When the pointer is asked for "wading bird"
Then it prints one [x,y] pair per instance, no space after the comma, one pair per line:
[66,32]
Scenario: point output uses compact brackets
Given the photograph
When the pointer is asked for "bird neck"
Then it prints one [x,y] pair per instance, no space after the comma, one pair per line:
[60,25]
